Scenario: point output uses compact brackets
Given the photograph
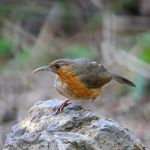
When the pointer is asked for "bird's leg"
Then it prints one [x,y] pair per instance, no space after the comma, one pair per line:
[61,107]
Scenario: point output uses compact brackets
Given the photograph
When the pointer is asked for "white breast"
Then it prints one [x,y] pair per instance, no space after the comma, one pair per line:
[61,87]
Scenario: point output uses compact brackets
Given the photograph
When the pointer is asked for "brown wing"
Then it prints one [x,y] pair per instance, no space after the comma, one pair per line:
[92,74]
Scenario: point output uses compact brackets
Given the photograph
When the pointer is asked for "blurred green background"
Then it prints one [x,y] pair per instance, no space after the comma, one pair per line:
[115,33]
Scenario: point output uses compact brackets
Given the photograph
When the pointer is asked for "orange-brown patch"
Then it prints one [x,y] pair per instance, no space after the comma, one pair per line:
[75,88]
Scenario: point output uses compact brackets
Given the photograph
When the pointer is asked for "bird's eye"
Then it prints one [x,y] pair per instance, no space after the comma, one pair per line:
[57,66]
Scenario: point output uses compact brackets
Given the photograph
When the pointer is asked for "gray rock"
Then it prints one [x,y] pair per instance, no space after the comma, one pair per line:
[73,129]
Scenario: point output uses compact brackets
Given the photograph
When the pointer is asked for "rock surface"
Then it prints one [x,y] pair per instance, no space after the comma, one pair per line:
[73,129]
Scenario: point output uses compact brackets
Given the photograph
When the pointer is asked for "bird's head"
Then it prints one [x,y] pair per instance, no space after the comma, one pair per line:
[57,66]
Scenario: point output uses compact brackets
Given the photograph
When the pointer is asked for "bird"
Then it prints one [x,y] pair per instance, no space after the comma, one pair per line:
[80,79]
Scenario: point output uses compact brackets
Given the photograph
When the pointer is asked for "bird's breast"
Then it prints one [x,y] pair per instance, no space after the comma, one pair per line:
[70,86]
[60,86]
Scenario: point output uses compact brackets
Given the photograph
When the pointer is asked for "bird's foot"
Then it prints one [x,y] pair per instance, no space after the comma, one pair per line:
[61,107]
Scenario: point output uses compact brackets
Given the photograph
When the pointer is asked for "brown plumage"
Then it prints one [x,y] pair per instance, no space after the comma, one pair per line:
[80,78]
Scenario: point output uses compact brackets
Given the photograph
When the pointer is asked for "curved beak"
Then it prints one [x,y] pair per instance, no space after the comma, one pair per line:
[43,68]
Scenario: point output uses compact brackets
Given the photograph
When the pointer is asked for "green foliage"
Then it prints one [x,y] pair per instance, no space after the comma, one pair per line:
[20,58]
[145,55]
[23,55]
[122,6]
[20,11]
[94,21]
[5,46]
[78,51]
[144,41]
[5,10]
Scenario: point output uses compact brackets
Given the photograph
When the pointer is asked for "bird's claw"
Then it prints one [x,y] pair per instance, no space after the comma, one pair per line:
[60,108]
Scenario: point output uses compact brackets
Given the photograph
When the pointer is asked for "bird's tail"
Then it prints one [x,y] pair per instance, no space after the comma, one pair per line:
[122,80]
